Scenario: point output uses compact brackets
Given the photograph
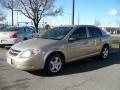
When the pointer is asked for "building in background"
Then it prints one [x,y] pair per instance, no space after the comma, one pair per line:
[111,29]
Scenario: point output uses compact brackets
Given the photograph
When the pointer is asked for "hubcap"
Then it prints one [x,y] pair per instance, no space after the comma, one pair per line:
[55,64]
[105,53]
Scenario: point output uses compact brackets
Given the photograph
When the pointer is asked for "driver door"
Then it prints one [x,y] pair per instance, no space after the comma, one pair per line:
[78,45]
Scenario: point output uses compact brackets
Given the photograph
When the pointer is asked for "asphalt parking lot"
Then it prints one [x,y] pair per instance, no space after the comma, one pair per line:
[88,74]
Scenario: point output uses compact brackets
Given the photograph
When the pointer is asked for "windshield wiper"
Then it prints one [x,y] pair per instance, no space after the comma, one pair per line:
[44,37]
[54,38]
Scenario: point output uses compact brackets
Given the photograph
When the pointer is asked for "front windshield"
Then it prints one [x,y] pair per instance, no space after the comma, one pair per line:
[56,33]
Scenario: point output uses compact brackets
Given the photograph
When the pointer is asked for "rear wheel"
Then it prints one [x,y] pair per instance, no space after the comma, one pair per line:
[105,52]
[54,64]
[2,46]
[25,39]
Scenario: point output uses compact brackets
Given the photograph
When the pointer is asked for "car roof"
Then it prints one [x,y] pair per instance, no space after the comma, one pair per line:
[77,26]
[15,27]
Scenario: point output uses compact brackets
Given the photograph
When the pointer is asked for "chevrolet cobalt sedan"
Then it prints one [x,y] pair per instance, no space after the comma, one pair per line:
[59,46]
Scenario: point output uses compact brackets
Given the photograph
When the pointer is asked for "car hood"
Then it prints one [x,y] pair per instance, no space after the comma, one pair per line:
[33,43]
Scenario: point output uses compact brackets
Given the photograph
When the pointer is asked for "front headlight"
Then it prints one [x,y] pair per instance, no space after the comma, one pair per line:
[30,53]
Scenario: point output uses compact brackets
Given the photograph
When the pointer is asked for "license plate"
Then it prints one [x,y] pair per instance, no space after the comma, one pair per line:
[3,41]
[9,60]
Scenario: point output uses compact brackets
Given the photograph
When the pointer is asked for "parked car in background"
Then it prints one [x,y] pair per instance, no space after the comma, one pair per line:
[58,46]
[11,35]
[2,27]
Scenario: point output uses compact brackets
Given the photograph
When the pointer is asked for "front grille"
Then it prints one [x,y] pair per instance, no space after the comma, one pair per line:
[14,52]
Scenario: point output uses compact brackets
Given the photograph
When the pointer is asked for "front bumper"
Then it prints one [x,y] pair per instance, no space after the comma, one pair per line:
[31,64]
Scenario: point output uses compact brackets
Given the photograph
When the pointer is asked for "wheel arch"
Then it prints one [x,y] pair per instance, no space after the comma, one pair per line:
[53,53]
[106,44]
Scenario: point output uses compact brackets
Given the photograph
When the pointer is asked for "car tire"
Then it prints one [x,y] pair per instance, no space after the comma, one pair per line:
[104,53]
[54,64]
[25,39]
[2,46]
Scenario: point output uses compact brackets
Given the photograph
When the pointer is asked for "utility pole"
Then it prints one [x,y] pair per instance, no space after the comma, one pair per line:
[17,17]
[78,18]
[73,11]
[12,14]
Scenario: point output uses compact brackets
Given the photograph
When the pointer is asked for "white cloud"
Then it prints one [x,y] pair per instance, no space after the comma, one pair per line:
[114,12]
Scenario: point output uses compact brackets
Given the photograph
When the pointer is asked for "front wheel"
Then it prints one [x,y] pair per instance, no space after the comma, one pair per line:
[105,52]
[54,64]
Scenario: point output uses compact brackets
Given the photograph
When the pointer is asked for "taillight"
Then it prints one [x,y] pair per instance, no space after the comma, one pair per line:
[13,35]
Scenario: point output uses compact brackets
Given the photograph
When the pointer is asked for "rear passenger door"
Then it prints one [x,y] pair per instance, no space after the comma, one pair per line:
[28,32]
[20,34]
[95,35]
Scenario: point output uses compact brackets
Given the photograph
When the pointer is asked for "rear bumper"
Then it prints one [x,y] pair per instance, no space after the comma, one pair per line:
[7,42]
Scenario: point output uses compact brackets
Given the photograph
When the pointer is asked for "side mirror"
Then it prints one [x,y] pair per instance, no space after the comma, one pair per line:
[71,39]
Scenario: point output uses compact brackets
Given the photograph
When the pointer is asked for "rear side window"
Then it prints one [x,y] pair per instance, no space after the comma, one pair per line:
[28,30]
[94,32]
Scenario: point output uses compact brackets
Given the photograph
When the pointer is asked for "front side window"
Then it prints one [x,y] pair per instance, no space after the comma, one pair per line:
[94,32]
[79,34]
[28,30]
[22,30]
[56,33]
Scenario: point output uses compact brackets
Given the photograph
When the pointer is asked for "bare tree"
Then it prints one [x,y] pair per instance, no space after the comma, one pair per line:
[2,17]
[97,23]
[35,9]
[8,4]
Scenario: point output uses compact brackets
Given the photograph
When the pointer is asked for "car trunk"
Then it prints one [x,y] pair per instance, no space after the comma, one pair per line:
[6,35]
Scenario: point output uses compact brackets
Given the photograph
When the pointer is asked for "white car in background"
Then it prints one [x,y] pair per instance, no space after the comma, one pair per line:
[12,35]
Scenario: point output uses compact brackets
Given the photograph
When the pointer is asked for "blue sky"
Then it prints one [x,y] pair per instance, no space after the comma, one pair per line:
[105,11]
[89,10]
